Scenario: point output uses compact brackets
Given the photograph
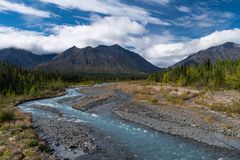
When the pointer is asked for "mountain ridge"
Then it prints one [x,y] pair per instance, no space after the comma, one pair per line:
[226,51]
[101,59]
[23,57]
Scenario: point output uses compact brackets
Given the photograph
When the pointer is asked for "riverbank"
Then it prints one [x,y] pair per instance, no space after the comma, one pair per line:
[97,133]
[18,139]
[172,110]
[176,110]
[69,137]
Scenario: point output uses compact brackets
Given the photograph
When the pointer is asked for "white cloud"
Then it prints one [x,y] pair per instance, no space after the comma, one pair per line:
[109,7]
[205,19]
[108,30]
[22,8]
[162,2]
[227,15]
[162,50]
[184,9]
[174,52]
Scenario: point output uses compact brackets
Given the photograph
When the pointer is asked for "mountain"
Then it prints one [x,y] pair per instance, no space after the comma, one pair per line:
[102,59]
[23,57]
[227,51]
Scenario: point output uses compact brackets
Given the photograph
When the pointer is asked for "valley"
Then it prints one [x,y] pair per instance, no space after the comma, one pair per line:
[124,108]
[96,131]
[119,80]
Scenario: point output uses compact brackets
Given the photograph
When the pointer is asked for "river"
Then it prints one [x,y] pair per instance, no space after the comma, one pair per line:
[143,143]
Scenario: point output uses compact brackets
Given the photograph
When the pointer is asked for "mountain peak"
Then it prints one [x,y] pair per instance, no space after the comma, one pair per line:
[101,59]
[74,47]
[112,46]
[88,47]
[116,45]
[230,45]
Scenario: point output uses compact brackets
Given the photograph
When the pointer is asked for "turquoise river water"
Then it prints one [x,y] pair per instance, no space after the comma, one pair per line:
[145,143]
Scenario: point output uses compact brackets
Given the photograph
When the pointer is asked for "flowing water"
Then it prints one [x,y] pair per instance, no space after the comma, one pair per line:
[144,143]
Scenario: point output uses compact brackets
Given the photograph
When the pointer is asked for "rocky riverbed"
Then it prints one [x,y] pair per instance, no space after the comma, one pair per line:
[163,121]
[175,120]
[71,138]
[74,140]
[66,137]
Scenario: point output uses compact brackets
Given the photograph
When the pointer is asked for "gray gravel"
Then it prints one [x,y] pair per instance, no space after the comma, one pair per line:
[67,138]
[182,122]
[75,140]
[176,122]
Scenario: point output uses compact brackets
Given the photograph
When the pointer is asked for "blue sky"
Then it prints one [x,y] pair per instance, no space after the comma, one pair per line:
[162,31]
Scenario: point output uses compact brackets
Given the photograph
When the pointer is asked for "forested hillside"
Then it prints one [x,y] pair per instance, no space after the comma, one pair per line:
[225,74]
[16,80]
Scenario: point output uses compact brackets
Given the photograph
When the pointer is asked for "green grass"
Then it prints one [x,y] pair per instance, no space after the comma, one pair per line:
[18,139]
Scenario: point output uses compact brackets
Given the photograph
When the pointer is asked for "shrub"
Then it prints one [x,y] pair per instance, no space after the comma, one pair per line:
[32,91]
[31,143]
[56,85]
[154,101]
[6,116]
[44,148]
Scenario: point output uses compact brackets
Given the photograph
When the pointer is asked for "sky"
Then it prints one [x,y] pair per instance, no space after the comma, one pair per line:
[162,31]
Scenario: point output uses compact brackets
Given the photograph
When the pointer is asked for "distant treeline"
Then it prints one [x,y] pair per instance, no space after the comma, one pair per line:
[225,74]
[15,80]
[72,77]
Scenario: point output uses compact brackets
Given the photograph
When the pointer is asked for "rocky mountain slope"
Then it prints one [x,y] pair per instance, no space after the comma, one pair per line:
[102,59]
[23,57]
[227,51]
